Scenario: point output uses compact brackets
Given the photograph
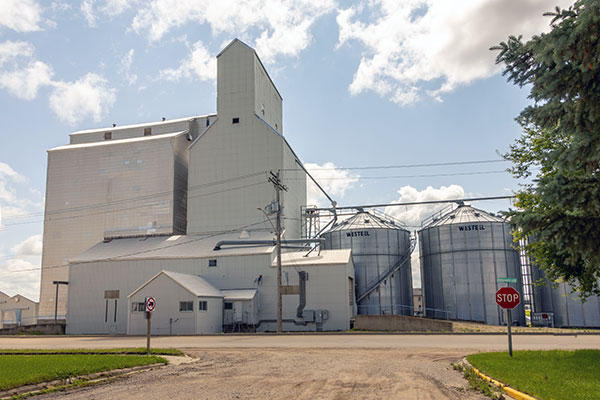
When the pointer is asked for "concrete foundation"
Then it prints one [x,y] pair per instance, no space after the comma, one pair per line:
[400,323]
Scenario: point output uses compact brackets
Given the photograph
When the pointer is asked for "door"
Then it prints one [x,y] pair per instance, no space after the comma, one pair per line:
[238,313]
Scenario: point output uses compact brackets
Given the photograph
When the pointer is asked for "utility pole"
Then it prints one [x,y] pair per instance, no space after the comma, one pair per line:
[57,283]
[274,179]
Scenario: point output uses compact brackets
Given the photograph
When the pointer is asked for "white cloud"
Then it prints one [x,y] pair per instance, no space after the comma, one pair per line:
[32,246]
[21,74]
[432,46]
[22,276]
[20,15]
[11,51]
[126,62]
[13,201]
[278,27]
[92,8]
[335,181]
[88,96]
[413,215]
[6,171]
[199,63]
[25,83]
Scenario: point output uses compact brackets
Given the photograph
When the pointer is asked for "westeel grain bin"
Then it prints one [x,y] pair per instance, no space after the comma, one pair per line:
[463,253]
[381,250]
[563,303]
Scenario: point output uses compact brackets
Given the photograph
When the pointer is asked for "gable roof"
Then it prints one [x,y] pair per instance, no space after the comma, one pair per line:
[196,285]
[236,40]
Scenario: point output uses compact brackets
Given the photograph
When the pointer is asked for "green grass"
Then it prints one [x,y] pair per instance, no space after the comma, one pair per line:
[554,374]
[19,370]
[138,350]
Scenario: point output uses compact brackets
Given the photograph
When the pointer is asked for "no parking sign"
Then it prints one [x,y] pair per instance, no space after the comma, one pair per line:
[150,304]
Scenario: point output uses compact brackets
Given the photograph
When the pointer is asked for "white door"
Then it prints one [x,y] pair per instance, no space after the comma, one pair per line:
[238,311]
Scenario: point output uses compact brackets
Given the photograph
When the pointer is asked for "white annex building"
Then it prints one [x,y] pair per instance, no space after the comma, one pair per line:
[138,210]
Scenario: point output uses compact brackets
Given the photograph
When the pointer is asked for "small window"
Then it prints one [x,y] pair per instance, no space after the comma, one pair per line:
[212,263]
[107,135]
[236,121]
[202,305]
[228,305]
[207,122]
[186,306]
[147,131]
[138,307]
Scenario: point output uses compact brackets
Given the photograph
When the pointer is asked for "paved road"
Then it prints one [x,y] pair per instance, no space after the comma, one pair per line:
[472,343]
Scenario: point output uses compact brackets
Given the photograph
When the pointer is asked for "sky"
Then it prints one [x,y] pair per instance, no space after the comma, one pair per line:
[375,92]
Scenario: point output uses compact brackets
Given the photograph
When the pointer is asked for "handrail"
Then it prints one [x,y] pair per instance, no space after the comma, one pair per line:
[401,261]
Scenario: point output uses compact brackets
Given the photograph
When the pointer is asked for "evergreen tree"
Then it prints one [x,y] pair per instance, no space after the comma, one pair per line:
[558,154]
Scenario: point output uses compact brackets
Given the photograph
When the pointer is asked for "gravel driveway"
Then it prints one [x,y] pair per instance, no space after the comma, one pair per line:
[293,373]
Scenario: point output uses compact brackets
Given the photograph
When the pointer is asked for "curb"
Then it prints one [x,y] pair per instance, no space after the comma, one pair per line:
[65,384]
[514,393]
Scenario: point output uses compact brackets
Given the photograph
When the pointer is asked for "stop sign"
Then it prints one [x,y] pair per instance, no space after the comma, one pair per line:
[508,297]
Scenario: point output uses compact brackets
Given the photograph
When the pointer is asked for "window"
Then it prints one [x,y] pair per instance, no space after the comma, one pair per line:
[202,305]
[138,307]
[212,263]
[147,131]
[235,121]
[186,306]
[207,122]
[228,305]
[107,135]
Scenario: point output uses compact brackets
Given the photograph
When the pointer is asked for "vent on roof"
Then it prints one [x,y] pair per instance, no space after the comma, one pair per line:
[476,214]
[235,121]
[367,221]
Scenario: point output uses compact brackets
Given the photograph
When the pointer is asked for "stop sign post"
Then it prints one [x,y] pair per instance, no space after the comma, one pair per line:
[508,298]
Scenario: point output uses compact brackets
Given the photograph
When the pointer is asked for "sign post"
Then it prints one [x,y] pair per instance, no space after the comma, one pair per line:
[150,306]
[508,298]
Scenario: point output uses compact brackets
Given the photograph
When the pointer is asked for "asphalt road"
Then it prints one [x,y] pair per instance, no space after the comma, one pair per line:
[466,342]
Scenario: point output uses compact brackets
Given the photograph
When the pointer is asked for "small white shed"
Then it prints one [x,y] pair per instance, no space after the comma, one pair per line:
[185,304]
[17,310]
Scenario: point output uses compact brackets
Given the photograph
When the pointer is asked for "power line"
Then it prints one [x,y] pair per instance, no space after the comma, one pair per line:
[444,164]
[137,198]
[204,185]
[409,176]
[132,207]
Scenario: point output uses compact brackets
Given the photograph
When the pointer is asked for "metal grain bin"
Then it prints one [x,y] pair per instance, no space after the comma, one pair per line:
[381,248]
[562,303]
[463,253]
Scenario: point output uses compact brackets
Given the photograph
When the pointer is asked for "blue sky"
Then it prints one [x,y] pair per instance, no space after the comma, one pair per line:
[365,83]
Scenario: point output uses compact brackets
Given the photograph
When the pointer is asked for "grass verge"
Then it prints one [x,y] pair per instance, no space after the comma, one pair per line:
[133,351]
[20,370]
[553,374]
[477,383]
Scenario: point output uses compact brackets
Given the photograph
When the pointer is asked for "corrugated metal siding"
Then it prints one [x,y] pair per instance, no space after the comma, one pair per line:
[123,189]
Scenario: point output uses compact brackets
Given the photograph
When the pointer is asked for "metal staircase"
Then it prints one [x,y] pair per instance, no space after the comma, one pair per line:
[375,283]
